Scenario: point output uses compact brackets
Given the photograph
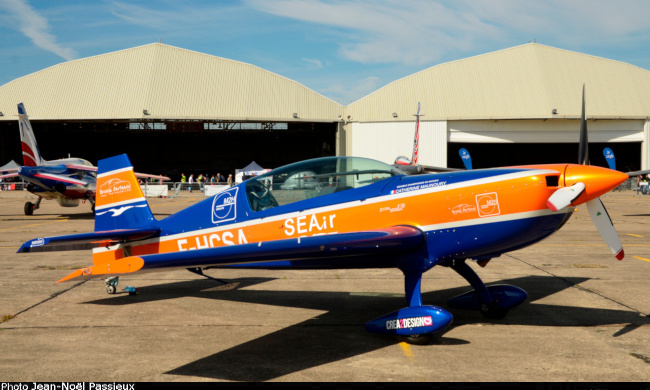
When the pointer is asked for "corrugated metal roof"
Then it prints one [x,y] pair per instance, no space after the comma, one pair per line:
[169,82]
[522,82]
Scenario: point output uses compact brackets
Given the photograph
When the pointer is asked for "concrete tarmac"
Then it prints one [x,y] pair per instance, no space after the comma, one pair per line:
[586,317]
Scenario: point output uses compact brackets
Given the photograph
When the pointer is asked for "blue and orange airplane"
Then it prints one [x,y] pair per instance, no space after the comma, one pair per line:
[350,213]
[67,180]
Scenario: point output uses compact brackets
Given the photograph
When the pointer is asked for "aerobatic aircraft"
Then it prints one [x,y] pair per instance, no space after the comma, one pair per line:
[347,212]
[67,180]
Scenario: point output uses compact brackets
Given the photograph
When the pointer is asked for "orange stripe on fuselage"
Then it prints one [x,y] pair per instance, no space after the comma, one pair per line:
[440,206]
[117,187]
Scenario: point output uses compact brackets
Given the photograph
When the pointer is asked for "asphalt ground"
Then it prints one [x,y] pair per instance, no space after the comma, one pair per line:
[586,317]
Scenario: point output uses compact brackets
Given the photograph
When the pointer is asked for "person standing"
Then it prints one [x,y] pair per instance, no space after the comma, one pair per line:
[230,180]
[191,181]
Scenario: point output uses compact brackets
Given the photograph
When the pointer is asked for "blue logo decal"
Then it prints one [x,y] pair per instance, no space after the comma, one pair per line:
[37,242]
[224,206]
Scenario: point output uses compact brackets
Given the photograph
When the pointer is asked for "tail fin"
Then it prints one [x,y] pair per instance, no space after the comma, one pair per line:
[31,155]
[119,201]
[416,139]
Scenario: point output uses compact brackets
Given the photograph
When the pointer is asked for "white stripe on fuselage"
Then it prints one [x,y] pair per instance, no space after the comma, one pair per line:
[113,172]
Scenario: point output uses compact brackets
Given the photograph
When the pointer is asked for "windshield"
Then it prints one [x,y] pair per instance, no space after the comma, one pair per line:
[312,178]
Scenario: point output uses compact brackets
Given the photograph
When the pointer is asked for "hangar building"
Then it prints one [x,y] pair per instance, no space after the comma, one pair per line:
[171,110]
[176,110]
[515,106]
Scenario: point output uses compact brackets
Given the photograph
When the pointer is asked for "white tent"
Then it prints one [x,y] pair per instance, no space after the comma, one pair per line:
[10,165]
[252,169]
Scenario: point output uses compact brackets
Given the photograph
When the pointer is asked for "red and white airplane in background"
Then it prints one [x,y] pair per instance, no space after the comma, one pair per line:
[412,167]
[350,213]
[67,180]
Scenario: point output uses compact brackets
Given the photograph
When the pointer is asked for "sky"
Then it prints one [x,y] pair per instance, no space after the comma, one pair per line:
[341,49]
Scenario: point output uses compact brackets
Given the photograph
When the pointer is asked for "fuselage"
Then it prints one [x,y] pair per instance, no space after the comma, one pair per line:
[469,214]
[55,179]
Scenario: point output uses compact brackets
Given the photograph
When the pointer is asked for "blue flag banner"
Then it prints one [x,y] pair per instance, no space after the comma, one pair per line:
[467,159]
[609,156]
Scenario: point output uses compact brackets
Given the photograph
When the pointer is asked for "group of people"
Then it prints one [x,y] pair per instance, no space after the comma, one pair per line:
[205,180]
[642,184]
[3,186]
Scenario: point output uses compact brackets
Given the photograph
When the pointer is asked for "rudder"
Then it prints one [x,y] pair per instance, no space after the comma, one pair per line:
[119,200]
[31,154]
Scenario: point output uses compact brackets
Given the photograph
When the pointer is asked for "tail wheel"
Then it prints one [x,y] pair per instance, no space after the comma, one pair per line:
[29,208]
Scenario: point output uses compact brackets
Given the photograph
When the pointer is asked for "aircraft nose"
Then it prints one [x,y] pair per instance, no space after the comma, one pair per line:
[597,180]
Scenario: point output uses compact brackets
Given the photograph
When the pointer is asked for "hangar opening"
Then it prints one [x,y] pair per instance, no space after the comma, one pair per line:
[627,154]
[174,147]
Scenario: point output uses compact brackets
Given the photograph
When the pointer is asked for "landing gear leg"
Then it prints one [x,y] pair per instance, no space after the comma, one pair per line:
[415,324]
[413,289]
[493,302]
[92,202]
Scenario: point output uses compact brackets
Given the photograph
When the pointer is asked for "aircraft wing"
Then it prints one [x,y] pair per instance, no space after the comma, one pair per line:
[421,169]
[148,176]
[13,172]
[86,240]
[85,168]
[94,169]
[429,168]
[55,177]
[375,243]
[637,173]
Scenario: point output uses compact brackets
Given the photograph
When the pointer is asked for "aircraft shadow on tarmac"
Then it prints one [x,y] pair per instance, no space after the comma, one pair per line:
[339,332]
[48,217]
[75,217]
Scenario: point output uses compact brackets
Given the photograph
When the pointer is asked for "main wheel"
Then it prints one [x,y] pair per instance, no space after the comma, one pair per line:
[111,289]
[29,208]
[418,339]
[493,311]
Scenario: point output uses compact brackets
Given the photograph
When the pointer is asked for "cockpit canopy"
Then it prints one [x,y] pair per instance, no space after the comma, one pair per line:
[313,178]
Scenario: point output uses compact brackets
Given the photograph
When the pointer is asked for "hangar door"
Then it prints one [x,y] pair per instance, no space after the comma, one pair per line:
[511,142]
[385,141]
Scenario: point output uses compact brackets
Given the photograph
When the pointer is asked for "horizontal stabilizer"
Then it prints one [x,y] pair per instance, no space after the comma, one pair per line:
[378,242]
[87,240]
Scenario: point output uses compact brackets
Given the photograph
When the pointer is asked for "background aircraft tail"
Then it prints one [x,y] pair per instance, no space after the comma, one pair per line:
[416,139]
[31,154]
[119,201]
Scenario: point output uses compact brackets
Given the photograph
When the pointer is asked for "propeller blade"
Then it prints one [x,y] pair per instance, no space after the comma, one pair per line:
[605,227]
[583,152]
[565,196]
